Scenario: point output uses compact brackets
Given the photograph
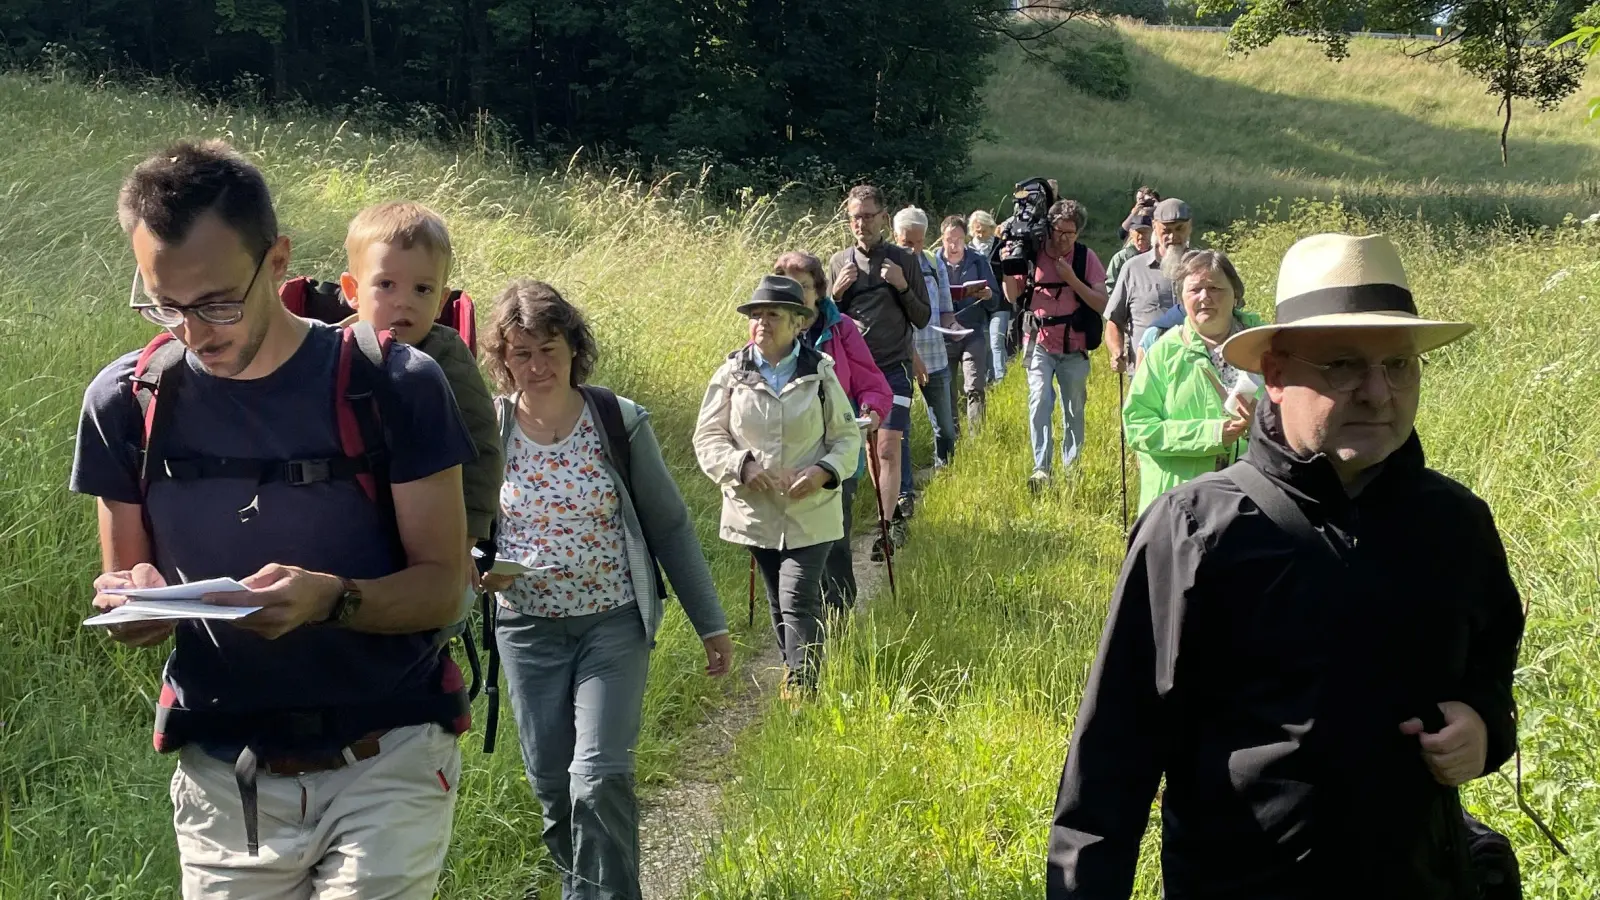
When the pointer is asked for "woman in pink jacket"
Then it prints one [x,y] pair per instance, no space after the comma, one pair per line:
[837,335]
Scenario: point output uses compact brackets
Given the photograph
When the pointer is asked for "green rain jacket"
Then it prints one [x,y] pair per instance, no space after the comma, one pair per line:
[1174,415]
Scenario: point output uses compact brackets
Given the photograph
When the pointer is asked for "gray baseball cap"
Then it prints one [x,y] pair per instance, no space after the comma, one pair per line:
[1172,210]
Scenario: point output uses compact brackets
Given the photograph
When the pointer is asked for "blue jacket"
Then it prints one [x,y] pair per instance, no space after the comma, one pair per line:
[974,266]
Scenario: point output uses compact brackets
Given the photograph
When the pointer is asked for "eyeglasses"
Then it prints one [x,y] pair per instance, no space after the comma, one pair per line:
[864,217]
[215,312]
[1345,375]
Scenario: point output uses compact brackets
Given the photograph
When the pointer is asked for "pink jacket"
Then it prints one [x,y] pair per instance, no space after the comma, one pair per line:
[863,383]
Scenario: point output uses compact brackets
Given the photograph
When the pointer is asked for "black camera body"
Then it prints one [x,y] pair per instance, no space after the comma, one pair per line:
[1021,238]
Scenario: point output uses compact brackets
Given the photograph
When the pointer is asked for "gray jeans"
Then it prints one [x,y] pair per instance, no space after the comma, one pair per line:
[839,576]
[971,353]
[577,690]
[793,578]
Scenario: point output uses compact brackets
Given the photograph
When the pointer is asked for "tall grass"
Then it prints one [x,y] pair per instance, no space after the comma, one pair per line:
[83,811]
[928,767]
[1382,132]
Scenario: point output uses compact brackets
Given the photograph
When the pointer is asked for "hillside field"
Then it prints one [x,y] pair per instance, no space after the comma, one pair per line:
[1381,132]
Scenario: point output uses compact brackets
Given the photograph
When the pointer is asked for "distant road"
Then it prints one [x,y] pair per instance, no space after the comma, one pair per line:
[1379,35]
[1223,29]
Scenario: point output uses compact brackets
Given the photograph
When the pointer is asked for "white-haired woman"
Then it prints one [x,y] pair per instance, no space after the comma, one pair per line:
[982,226]
[777,433]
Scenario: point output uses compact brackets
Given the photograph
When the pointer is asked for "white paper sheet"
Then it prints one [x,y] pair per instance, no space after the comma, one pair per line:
[177,601]
[152,610]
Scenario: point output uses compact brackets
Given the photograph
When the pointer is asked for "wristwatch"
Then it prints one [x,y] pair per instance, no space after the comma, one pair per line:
[345,607]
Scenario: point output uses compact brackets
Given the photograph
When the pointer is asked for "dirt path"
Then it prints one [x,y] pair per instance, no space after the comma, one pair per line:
[678,822]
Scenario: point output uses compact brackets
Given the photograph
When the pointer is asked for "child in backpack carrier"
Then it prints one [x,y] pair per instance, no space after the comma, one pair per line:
[399,266]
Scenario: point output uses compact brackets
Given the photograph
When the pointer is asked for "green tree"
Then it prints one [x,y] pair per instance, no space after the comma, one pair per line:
[766,89]
[1585,38]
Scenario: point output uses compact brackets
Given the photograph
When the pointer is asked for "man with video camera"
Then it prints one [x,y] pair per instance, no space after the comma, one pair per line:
[1061,300]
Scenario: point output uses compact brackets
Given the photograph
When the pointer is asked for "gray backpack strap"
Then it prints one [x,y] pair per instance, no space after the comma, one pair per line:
[505,409]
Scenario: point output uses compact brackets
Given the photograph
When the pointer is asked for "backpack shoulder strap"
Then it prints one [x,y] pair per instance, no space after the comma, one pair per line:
[1281,510]
[358,399]
[1080,261]
[157,367]
[505,413]
[609,411]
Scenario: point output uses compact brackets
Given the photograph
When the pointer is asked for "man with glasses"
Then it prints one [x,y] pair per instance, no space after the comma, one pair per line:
[1143,288]
[877,284]
[315,736]
[1314,646]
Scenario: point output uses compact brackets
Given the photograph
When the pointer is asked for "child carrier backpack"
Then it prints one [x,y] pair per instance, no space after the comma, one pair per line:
[324,301]
[618,453]
[157,380]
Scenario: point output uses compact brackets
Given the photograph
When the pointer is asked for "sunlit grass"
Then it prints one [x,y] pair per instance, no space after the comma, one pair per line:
[82,795]
[929,766]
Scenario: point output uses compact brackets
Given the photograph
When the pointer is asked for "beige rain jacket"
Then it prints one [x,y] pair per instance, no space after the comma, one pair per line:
[809,423]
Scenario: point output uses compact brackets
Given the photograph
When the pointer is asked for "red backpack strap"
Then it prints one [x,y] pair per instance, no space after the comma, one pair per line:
[459,313]
[158,365]
[363,353]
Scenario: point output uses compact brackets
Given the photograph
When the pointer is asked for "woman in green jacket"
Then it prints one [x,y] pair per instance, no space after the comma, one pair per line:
[1175,416]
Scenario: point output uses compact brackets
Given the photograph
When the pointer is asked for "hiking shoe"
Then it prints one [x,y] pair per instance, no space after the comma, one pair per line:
[878,552]
[1038,481]
[899,533]
[906,506]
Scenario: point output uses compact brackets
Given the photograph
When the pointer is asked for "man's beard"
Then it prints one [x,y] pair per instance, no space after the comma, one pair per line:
[1172,262]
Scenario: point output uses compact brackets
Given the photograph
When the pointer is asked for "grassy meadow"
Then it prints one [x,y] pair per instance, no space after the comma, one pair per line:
[929,766]
[1381,132]
[83,799]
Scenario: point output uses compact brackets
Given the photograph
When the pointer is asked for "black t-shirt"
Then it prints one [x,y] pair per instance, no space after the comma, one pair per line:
[331,527]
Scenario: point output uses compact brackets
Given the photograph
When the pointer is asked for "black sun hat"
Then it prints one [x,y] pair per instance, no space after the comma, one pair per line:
[778,291]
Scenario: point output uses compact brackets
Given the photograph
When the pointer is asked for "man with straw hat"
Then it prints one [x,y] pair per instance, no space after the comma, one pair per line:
[1314,646]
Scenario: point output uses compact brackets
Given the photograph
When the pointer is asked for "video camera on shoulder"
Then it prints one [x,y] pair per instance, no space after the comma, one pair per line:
[1024,235]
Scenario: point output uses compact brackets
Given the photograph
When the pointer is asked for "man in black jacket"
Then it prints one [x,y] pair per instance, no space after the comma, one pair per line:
[1282,687]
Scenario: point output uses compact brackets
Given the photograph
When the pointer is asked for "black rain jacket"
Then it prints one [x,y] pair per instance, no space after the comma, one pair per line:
[1269,689]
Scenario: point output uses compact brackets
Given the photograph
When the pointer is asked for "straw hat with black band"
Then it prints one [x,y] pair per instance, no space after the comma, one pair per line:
[1341,281]
[780,292]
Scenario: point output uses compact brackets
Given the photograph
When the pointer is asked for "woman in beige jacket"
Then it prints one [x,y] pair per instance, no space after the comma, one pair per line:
[778,434]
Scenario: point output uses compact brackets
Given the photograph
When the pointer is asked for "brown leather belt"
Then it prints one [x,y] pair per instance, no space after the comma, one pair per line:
[363,748]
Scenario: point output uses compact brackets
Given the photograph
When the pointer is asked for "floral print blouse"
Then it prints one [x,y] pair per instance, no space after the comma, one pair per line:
[562,517]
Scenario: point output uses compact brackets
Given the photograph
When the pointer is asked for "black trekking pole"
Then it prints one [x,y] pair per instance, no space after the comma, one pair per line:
[877,499]
[751,623]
